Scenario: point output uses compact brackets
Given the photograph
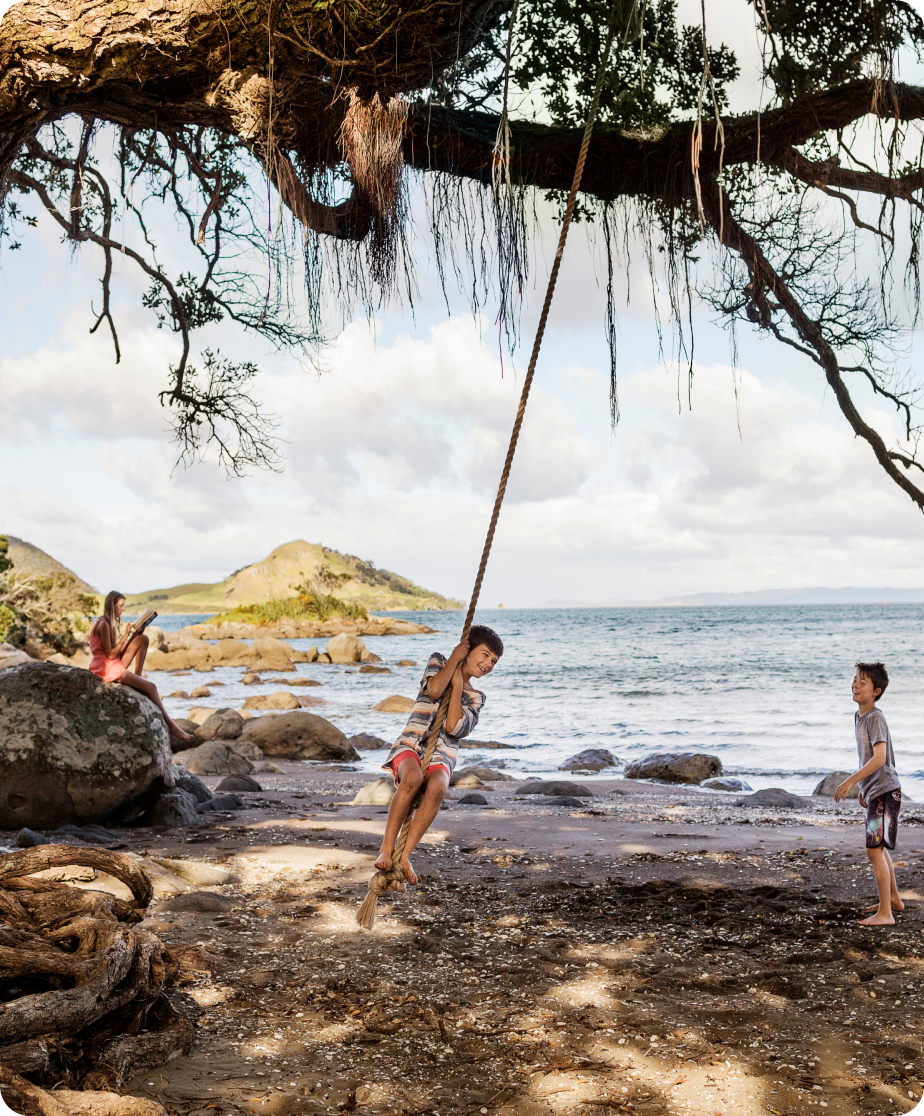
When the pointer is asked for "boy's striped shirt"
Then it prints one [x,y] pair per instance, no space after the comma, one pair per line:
[414,737]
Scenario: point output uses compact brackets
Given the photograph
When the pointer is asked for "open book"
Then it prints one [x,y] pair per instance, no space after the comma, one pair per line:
[143,620]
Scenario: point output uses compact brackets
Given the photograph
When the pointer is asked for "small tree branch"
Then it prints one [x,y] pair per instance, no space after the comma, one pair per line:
[765,279]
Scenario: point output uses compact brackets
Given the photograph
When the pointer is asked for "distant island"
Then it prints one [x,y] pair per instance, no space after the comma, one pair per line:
[355,581]
[358,582]
[818,595]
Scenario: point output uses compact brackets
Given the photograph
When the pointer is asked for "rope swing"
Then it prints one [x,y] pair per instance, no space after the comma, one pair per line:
[393,878]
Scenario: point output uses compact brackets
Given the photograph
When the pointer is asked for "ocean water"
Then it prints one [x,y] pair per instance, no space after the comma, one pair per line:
[766,689]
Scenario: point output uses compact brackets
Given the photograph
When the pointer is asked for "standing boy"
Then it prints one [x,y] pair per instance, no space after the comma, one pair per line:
[473,658]
[880,790]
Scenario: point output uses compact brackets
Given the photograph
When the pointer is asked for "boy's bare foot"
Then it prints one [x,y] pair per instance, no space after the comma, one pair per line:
[878,920]
[409,874]
[897,905]
[384,862]
[182,736]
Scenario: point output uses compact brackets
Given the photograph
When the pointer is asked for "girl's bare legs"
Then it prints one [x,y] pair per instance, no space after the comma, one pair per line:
[137,649]
[409,783]
[143,686]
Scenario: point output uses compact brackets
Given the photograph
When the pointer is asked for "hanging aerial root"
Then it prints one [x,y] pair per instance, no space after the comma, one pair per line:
[371,139]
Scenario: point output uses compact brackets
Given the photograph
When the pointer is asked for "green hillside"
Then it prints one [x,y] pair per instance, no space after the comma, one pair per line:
[27,558]
[274,578]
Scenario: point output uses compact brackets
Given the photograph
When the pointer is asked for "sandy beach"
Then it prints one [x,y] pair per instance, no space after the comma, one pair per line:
[659,951]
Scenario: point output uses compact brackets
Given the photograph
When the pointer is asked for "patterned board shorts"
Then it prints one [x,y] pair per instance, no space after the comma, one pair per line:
[882,820]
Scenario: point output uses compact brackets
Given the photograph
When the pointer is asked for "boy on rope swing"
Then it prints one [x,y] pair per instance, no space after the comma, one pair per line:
[473,658]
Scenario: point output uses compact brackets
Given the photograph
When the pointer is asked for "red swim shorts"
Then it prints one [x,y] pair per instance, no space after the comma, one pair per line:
[411,754]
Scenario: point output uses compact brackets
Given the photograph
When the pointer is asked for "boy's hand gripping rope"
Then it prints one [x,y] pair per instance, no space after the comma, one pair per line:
[393,879]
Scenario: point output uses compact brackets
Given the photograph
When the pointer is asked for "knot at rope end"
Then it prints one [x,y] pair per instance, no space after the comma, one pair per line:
[392,880]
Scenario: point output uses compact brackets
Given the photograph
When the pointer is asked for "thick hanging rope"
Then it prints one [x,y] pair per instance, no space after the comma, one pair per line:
[393,879]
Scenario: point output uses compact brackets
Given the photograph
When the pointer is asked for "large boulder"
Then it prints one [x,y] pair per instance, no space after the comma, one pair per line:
[830,783]
[591,759]
[192,784]
[299,736]
[556,787]
[270,654]
[223,724]
[366,742]
[238,783]
[76,749]
[726,783]
[379,793]
[278,700]
[774,797]
[214,758]
[395,704]
[345,648]
[675,767]
[173,810]
[486,774]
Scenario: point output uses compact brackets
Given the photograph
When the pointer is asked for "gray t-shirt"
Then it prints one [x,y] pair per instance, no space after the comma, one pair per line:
[871,728]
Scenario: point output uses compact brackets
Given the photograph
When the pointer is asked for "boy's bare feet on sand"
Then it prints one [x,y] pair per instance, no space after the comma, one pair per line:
[877,920]
[897,905]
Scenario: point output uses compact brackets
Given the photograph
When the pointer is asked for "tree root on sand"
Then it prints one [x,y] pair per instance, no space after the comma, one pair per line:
[86,995]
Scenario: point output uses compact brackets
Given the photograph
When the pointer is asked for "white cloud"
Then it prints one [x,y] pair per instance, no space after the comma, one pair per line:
[394,453]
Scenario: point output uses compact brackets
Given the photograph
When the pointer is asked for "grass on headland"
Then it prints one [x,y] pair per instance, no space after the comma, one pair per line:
[313,601]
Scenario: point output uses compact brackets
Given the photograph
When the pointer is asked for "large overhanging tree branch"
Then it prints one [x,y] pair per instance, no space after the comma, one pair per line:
[204,104]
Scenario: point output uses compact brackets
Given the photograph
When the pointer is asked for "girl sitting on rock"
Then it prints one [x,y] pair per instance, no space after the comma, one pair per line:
[114,652]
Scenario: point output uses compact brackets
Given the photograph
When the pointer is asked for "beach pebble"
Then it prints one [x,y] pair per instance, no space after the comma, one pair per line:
[675,767]
[726,783]
[406,662]
[830,783]
[251,679]
[473,800]
[28,839]
[555,787]
[179,694]
[368,668]
[201,692]
[774,796]
[591,759]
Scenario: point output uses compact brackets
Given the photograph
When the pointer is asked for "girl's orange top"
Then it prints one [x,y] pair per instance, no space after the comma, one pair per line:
[109,669]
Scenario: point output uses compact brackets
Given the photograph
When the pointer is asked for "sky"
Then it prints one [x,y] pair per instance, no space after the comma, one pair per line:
[392,450]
